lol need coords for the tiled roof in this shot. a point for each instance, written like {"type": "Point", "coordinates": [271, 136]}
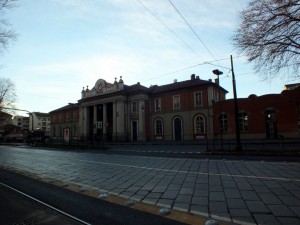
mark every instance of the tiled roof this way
{"type": "Point", "coordinates": [69, 106]}
{"type": "Point", "coordinates": [181, 85]}
{"type": "Point", "coordinates": [39, 114]}
{"type": "Point", "coordinates": [135, 87]}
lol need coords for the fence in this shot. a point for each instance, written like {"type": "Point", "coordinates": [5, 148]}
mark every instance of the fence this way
{"type": "Point", "coordinates": [266, 145]}
{"type": "Point", "coordinates": [278, 145]}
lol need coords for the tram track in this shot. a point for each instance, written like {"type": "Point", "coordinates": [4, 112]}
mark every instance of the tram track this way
{"type": "Point", "coordinates": [74, 208]}
{"type": "Point", "coordinates": [35, 220]}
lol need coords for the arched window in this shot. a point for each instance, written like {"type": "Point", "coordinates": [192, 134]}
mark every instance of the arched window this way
{"type": "Point", "coordinates": [199, 125]}
{"type": "Point", "coordinates": [158, 125]}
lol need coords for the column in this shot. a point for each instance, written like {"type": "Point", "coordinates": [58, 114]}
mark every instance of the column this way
{"type": "Point", "coordinates": [95, 120]}
{"type": "Point", "coordinates": [121, 121]}
{"type": "Point", "coordinates": [115, 131]}
{"type": "Point", "coordinates": [104, 119]}
{"type": "Point", "coordinates": [141, 130]}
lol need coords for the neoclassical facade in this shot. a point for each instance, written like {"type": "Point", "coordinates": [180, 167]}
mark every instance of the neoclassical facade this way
{"type": "Point", "coordinates": [113, 111]}
{"type": "Point", "coordinates": [180, 111]}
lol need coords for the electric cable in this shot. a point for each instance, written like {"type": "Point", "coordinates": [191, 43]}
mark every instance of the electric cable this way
{"type": "Point", "coordinates": [168, 28]}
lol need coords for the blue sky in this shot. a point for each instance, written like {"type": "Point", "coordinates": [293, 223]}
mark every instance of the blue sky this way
{"type": "Point", "coordinates": [66, 45]}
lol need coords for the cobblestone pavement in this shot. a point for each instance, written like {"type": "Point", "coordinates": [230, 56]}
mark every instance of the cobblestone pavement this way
{"type": "Point", "coordinates": [242, 192]}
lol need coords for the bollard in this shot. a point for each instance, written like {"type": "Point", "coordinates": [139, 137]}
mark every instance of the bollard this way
{"type": "Point", "coordinates": [164, 211]}
{"type": "Point", "coordinates": [211, 222]}
{"type": "Point", "coordinates": [103, 196]}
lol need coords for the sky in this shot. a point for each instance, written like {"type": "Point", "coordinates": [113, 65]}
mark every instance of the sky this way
{"type": "Point", "coordinates": [63, 46]}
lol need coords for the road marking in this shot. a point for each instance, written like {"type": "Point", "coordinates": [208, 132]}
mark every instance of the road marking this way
{"type": "Point", "coordinates": [191, 172]}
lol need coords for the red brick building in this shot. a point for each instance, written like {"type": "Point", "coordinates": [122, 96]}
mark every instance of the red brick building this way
{"type": "Point", "coordinates": [118, 112]}
{"type": "Point", "coordinates": [265, 117]}
{"type": "Point", "coordinates": [189, 110]}
{"type": "Point", "coordinates": [64, 123]}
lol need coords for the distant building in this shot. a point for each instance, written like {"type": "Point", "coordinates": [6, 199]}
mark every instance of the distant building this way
{"type": "Point", "coordinates": [5, 119]}
{"type": "Point", "coordinates": [291, 86]}
{"type": "Point", "coordinates": [65, 120]}
{"type": "Point", "coordinates": [41, 121]}
{"type": "Point", "coordinates": [265, 117]}
{"type": "Point", "coordinates": [22, 122]}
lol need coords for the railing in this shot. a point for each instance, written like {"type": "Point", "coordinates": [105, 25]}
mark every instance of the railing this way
{"type": "Point", "coordinates": [212, 145]}
{"type": "Point", "coordinates": [266, 145]}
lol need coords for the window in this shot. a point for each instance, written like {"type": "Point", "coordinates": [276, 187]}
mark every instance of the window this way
{"type": "Point", "coordinates": [199, 125]}
{"type": "Point", "coordinates": [74, 130]}
{"type": "Point", "coordinates": [198, 99]}
{"type": "Point", "coordinates": [54, 131]}
{"type": "Point", "coordinates": [224, 122]}
{"type": "Point", "coordinates": [216, 96]}
{"type": "Point", "coordinates": [243, 122]}
{"type": "Point", "coordinates": [158, 127]}
{"type": "Point", "coordinates": [176, 102]}
{"type": "Point", "coordinates": [134, 107]}
{"type": "Point", "coordinates": [157, 105]}
{"type": "Point", "coordinates": [271, 123]}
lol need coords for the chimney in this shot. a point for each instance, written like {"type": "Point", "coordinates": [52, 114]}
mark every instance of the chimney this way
{"type": "Point", "coordinates": [193, 77]}
{"type": "Point", "coordinates": [217, 81]}
{"type": "Point", "coordinates": [197, 78]}
{"type": "Point", "coordinates": [175, 80]}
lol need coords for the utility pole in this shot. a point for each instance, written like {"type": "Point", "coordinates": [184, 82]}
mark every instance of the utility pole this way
{"type": "Point", "coordinates": [236, 110]}
{"type": "Point", "coordinates": [218, 73]}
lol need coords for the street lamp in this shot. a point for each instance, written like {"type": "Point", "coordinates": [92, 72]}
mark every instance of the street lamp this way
{"type": "Point", "coordinates": [218, 73]}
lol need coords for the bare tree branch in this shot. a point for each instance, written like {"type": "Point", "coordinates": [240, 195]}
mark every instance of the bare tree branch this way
{"type": "Point", "coordinates": [7, 93]}
{"type": "Point", "coordinates": [269, 34]}
{"type": "Point", "coordinates": [6, 34]}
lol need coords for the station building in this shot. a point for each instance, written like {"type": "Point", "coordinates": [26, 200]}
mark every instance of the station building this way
{"type": "Point", "coordinates": [270, 116]}
{"type": "Point", "coordinates": [179, 111]}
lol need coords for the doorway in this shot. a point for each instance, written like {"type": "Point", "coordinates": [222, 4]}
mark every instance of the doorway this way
{"type": "Point", "coordinates": [134, 130]}
{"type": "Point", "coordinates": [177, 124]}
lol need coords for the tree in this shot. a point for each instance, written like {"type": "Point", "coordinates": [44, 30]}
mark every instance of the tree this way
{"type": "Point", "coordinates": [6, 34]}
{"type": "Point", "coordinates": [7, 93]}
{"type": "Point", "coordinates": [269, 35]}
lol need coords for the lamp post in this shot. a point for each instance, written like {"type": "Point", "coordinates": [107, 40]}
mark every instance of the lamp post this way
{"type": "Point", "coordinates": [218, 73]}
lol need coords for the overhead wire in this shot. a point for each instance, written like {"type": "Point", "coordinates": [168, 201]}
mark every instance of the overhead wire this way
{"type": "Point", "coordinates": [168, 28]}
{"type": "Point", "coordinates": [192, 29]}
{"type": "Point", "coordinates": [186, 68]}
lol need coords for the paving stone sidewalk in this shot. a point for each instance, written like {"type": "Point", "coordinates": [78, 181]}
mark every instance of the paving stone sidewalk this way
{"type": "Point", "coordinates": [241, 192]}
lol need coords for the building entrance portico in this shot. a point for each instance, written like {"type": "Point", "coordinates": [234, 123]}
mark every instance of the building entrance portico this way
{"type": "Point", "coordinates": [100, 122]}
{"type": "Point", "coordinates": [105, 113]}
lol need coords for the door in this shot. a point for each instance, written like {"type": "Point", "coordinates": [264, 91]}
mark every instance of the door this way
{"type": "Point", "coordinates": [134, 130]}
{"type": "Point", "coordinates": [271, 124]}
{"type": "Point", "coordinates": [177, 129]}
